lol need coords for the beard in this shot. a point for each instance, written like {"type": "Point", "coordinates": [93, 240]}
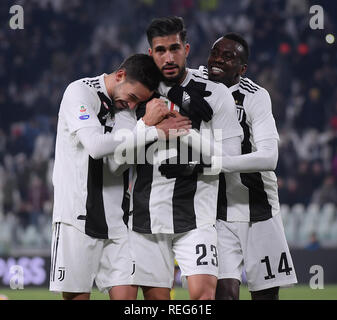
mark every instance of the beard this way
{"type": "Point", "coordinates": [177, 79]}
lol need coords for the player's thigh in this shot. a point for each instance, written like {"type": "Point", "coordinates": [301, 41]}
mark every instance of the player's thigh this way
{"type": "Point", "coordinates": [230, 253]}
{"type": "Point", "coordinates": [268, 262]}
{"type": "Point", "coordinates": [116, 266]}
{"type": "Point", "coordinates": [154, 259]}
{"type": "Point", "coordinates": [74, 259]}
{"type": "Point", "coordinates": [196, 251]}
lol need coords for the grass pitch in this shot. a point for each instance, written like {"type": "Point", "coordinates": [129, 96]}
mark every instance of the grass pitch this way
{"type": "Point", "coordinates": [298, 292]}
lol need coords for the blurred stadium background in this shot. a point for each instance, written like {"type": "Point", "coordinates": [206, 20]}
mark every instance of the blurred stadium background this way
{"type": "Point", "coordinates": [64, 40]}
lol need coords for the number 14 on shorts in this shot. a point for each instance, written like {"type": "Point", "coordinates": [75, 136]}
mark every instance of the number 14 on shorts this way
{"type": "Point", "coordinates": [282, 267]}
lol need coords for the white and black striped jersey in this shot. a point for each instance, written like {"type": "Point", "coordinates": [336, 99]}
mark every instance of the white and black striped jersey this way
{"type": "Point", "coordinates": [161, 205]}
{"type": "Point", "coordinates": [250, 196]}
{"type": "Point", "coordinates": [87, 194]}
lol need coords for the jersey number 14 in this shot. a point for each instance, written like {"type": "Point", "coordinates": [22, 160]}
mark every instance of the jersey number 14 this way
{"type": "Point", "coordinates": [282, 267]}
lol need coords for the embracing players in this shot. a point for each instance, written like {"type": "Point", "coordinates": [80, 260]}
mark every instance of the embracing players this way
{"type": "Point", "coordinates": [174, 209]}
{"type": "Point", "coordinates": [249, 224]}
{"type": "Point", "coordinates": [90, 238]}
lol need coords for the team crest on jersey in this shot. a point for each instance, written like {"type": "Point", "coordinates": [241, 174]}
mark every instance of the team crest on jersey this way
{"type": "Point", "coordinates": [240, 111]}
{"type": "Point", "coordinates": [62, 272]}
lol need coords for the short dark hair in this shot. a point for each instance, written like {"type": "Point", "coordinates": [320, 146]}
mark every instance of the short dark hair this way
{"type": "Point", "coordinates": [238, 38]}
{"type": "Point", "coordinates": [166, 26]}
{"type": "Point", "coordinates": [142, 68]}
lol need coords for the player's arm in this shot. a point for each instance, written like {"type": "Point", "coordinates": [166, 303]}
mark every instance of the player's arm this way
{"type": "Point", "coordinates": [265, 136]}
{"type": "Point", "coordinates": [100, 145]}
{"type": "Point", "coordinates": [263, 159]}
{"type": "Point", "coordinates": [132, 136]}
{"type": "Point", "coordinates": [79, 114]}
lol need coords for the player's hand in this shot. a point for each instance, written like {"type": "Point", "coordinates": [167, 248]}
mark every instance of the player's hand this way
{"type": "Point", "coordinates": [192, 105]}
{"type": "Point", "coordinates": [174, 125]}
{"type": "Point", "coordinates": [156, 111]}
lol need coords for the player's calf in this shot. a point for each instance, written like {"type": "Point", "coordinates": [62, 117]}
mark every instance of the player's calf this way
{"type": "Point", "coordinates": [266, 294]}
{"type": "Point", "coordinates": [227, 289]}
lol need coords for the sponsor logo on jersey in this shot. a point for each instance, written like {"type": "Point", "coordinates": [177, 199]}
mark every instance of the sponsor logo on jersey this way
{"type": "Point", "coordinates": [84, 117]}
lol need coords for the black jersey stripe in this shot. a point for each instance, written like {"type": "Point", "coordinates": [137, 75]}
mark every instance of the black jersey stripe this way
{"type": "Point", "coordinates": [222, 198]}
{"type": "Point", "coordinates": [259, 207]}
{"type": "Point", "coordinates": [95, 223]}
{"type": "Point", "coordinates": [126, 197]}
{"type": "Point", "coordinates": [249, 84]}
{"type": "Point", "coordinates": [141, 221]}
{"type": "Point", "coordinates": [246, 88]}
{"type": "Point", "coordinates": [55, 248]}
{"type": "Point", "coordinates": [184, 218]}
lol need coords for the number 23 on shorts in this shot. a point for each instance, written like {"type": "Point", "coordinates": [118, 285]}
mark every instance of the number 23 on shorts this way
{"type": "Point", "coordinates": [201, 252]}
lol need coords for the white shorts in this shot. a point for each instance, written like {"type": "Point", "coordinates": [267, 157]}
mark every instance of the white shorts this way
{"type": "Point", "coordinates": [195, 252]}
{"type": "Point", "coordinates": [78, 259]}
{"type": "Point", "coordinates": [260, 248]}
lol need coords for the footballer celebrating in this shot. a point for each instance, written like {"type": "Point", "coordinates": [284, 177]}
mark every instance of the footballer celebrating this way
{"type": "Point", "coordinates": [90, 239]}
{"type": "Point", "coordinates": [174, 207]}
{"type": "Point", "coordinates": [250, 229]}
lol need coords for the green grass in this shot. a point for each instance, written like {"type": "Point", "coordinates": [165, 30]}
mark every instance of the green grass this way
{"type": "Point", "coordinates": [299, 292]}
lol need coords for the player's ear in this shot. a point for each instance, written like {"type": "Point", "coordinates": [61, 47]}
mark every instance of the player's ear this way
{"type": "Point", "coordinates": [120, 75]}
{"type": "Point", "coordinates": [150, 51]}
{"type": "Point", "coordinates": [187, 49]}
{"type": "Point", "coordinates": [243, 69]}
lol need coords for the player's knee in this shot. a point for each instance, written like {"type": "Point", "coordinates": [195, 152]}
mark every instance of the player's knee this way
{"type": "Point", "coordinates": [123, 292]}
{"type": "Point", "coordinates": [227, 289]}
{"type": "Point", "coordinates": [152, 293]}
{"type": "Point", "coordinates": [203, 292]}
{"type": "Point", "coordinates": [266, 294]}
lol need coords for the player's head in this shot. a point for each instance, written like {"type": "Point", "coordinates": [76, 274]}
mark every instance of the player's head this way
{"type": "Point", "coordinates": [167, 39]}
{"type": "Point", "coordinates": [228, 59]}
{"type": "Point", "coordinates": [135, 81]}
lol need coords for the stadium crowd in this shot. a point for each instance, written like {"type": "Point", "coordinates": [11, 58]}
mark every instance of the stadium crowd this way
{"type": "Point", "coordinates": [65, 40]}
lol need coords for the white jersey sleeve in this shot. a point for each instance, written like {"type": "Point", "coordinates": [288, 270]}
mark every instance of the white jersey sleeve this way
{"type": "Point", "coordinates": [100, 145]}
{"type": "Point", "coordinates": [263, 159]}
{"type": "Point", "coordinates": [260, 114]}
{"type": "Point", "coordinates": [77, 107]}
